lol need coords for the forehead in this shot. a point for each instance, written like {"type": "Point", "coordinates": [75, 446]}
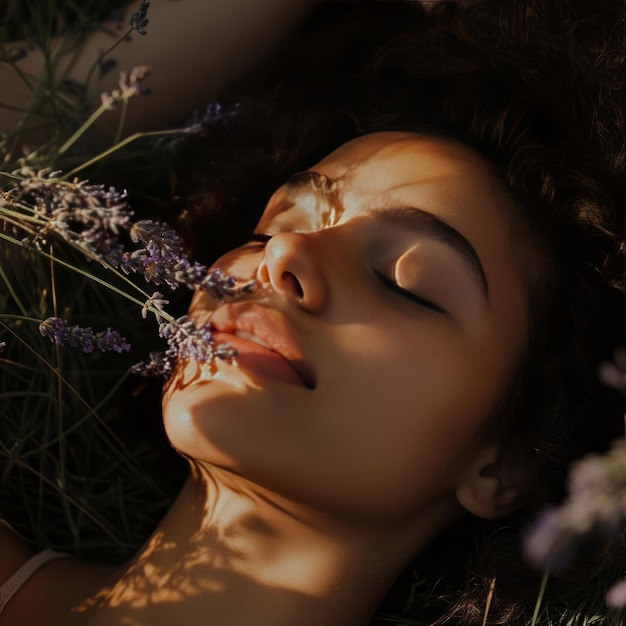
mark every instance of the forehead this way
{"type": "Point", "coordinates": [444, 177]}
{"type": "Point", "coordinates": [391, 161]}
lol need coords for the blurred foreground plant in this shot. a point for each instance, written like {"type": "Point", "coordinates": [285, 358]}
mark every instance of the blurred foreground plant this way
{"type": "Point", "coordinates": [596, 504]}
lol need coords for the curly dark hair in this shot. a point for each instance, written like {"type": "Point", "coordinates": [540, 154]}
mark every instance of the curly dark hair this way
{"type": "Point", "coordinates": [537, 87]}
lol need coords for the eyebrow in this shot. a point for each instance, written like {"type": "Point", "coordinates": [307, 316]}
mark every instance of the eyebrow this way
{"type": "Point", "coordinates": [426, 224]}
{"type": "Point", "coordinates": [408, 217]}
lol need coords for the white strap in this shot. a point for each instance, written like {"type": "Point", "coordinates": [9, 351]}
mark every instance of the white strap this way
{"type": "Point", "coordinates": [11, 586]}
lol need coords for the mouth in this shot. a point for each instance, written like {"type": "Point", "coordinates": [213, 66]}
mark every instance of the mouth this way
{"type": "Point", "coordinates": [264, 343]}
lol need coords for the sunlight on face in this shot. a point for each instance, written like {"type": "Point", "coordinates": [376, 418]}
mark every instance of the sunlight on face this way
{"type": "Point", "coordinates": [389, 315]}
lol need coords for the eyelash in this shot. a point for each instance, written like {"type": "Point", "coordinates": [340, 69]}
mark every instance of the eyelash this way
{"type": "Point", "coordinates": [388, 282]}
{"type": "Point", "coordinates": [259, 237]}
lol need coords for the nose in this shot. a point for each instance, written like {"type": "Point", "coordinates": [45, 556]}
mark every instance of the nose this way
{"type": "Point", "coordinates": [292, 266]}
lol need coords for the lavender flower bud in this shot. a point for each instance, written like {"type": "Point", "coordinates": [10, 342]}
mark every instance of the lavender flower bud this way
{"type": "Point", "coordinates": [157, 366]}
{"type": "Point", "coordinates": [156, 301]}
{"type": "Point", "coordinates": [613, 374]}
{"type": "Point", "coordinates": [60, 332]}
{"type": "Point", "coordinates": [616, 595]}
{"type": "Point", "coordinates": [220, 285]}
{"type": "Point", "coordinates": [138, 20]}
{"type": "Point", "coordinates": [186, 341]}
{"type": "Point", "coordinates": [550, 544]}
{"type": "Point", "coordinates": [596, 505]}
{"type": "Point", "coordinates": [111, 340]}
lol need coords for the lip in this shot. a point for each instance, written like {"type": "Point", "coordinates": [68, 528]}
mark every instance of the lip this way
{"type": "Point", "coordinates": [280, 356]}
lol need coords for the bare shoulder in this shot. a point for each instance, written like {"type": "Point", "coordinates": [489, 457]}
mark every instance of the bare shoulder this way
{"type": "Point", "coordinates": [14, 551]}
{"type": "Point", "coordinates": [53, 591]}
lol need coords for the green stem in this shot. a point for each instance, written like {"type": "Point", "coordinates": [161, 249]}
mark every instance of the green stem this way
{"type": "Point", "coordinates": [68, 498]}
{"type": "Point", "coordinates": [81, 131]}
{"type": "Point", "coordinates": [12, 292]}
{"type": "Point", "coordinates": [121, 144]}
{"type": "Point", "coordinates": [21, 318]}
{"type": "Point", "coordinates": [120, 126]}
{"type": "Point", "coordinates": [67, 383]}
{"type": "Point", "coordinates": [93, 277]}
{"type": "Point", "coordinates": [542, 590]}
{"type": "Point", "coordinates": [10, 107]}
{"type": "Point", "coordinates": [18, 70]}
{"type": "Point", "coordinates": [10, 218]}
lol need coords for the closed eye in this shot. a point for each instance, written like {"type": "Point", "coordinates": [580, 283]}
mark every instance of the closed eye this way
{"type": "Point", "coordinates": [259, 237]}
{"type": "Point", "coordinates": [388, 282]}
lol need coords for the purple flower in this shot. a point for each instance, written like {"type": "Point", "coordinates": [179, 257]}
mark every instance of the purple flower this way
{"type": "Point", "coordinates": [128, 86]}
{"type": "Point", "coordinates": [616, 595]}
{"type": "Point", "coordinates": [613, 374]}
{"type": "Point", "coordinates": [550, 544]}
{"type": "Point", "coordinates": [215, 115]}
{"type": "Point", "coordinates": [162, 260]}
{"type": "Point", "coordinates": [138, 20]}
{"type": "Point", "coordinates": [159, 235]}
{"type": "Point", "coordinates": [155, 301]}
{"type": "Point", "coordinates": [111, 340]}
{"type": "Point", "coordinates": [60, 332]}
{"type": "Point", "coordinates": [187, 341]}
{"type": "Point", "coordinates": [97, 221]}
{"type": "Point", "coordinates": [596, 505]}
{"type": "Point", "coordinates": [220, 286]}
{"type": "Point", "coordinates": [76, 211]}
{"type": "Point", "coordinates": [92, 217]}
{"type": "Point", "coordinates": [157, 366]}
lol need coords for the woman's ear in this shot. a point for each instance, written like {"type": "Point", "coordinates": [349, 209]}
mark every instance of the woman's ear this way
{"type": "Point", "coordinates": [494, 484]}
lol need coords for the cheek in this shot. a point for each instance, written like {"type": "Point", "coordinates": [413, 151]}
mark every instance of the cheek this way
{"type": "Point", "coordinates": [399, 426]}
{"type": "Point", "coordinates": [191, 415]}
{"type": "Point", "coordinates": [427, 371]}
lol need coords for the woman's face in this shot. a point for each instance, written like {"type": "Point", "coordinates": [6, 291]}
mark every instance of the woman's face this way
{"type": "Point", "coordinates": [389, 310]}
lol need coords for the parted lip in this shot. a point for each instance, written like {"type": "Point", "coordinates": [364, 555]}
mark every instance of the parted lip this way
{"type": "Point", "coordinates": [269, 326]}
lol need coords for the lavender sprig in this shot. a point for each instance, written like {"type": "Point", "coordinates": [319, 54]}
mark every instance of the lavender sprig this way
{"type": "Point", "coordinates": [595, 506]}
{"type": "Point", "coordinates": [616, 595]}
{"type": "Point", "coordinates": [92, 217]}
{"type": "Point", "coordinates": [185, 340]}
{"type": "Point", "coordinates": [60, 332]}
{"type": "Point", "coordinates": [129, 86]}
{"type": "Point", "coordinates": [138, 20]}
{"type": "Point", "coordinates": [162, 260]}
{"type": "Point", "coordinates": [98, 222]}
{"type": "Point", "coordinates": [596, 503]}
{"type": "Point", "coordinates": [613, 374]}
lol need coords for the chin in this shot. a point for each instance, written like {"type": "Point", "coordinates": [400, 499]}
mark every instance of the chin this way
{"type": "Point", "coordinates": [201, 405]}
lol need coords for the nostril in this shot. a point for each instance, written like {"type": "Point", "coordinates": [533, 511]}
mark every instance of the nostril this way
{"type": "Point", "coordinates": [292, 283]}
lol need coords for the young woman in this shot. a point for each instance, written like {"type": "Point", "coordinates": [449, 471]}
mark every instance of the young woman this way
{"type": "Point", "coordinates": [418, 360]}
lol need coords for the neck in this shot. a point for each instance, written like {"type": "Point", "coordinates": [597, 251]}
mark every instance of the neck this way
{"type": "Point", "coordinates": [231, 552]}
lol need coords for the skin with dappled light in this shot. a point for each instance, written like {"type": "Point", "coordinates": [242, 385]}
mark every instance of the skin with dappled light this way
{"type": "Point", "coordinates": [389, 313]}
